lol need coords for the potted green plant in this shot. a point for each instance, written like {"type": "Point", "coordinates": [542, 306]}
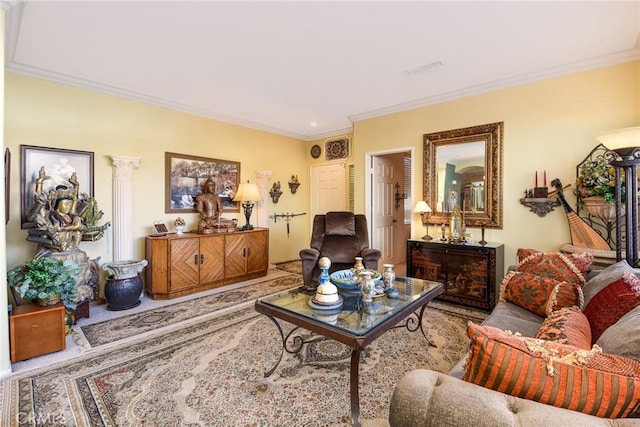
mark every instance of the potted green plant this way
{"type": "Point", "coordinates": [46, 280]}
{"type": "Point", "coordinates": [596, 187]}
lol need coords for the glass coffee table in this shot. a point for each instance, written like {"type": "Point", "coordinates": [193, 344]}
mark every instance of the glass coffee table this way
{"type": "Point", "coordinates": [354, 324]}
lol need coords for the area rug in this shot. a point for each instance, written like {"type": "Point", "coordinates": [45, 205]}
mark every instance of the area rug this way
{"type": "Point", "coordinates": [135, 324]}
{"type": "Point", "coordinates": [294, 266]}
{"type": "Point", "coordinates": [210, 372]}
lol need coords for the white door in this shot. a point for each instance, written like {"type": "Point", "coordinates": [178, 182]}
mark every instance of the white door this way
{"type": "Point", "coordinates": [382, 198]}
{"type": "Point", "coordinates": [328, 188]}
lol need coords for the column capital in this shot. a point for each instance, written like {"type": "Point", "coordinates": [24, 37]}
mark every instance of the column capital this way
{"type": "Point", "coordinates": [124, 166]}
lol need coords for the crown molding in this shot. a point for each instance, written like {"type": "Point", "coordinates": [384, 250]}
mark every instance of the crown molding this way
{"type": "Point", "coordinates": [576, 67]}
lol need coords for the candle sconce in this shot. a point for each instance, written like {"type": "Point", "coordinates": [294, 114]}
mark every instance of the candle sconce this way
{"type": "Point", "coordinates": [294, 184]}
{"type": "Point", "coordinates": [275, 192]}
{"type": "Point", "coordinates": [399, 196]}
{"type": "Point", "coordinates": [538, 202]}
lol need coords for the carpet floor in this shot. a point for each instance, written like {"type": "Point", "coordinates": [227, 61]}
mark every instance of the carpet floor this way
{"type": "Point", "coordinates": [208, 370]}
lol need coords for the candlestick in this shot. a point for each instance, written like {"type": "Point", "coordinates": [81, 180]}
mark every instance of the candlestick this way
{"type": "Point", "coordinates": [536, 178]}
{"type": "Point", "coordinates": [545, 178]}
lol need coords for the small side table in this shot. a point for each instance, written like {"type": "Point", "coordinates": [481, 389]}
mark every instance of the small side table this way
{"type": "Point", "coordinates": [36, 330]}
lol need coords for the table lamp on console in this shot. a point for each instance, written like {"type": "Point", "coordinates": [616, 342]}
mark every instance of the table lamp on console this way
{"type": "Point", "coordinates": [248, 194]}
{"type": "Point", "coordinates": [424, 210]}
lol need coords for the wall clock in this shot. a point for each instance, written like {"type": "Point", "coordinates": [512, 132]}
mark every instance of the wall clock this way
{"type": "Point", "coordinates": [316, 151]}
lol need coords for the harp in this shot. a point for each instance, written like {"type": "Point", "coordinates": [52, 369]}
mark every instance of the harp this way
{"type": "Point", "coordinates": [582, 235]}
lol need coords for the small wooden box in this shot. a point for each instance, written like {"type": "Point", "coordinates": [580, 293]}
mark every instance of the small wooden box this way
{"type": "Point", "coordinates": [541, 192]}
{"type": "Point", "coordinates": [36, 330]}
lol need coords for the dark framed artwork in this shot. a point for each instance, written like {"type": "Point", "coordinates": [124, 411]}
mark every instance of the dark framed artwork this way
{"type": "Point", "coordinates": [59, 164]}
{"type": "Point", "coordinates": [336, 148]}
{"type": "Point", "coordinates": [185, 175]}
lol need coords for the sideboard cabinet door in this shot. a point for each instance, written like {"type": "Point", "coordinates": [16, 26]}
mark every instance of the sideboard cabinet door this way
{"type": "Point", "coordinates": [471, 273]}
{"type": "Point", "coordinates": [245, 253]}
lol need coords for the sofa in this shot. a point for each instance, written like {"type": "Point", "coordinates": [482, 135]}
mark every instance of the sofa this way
{"type": "Point", "coordinates": [464, 397]}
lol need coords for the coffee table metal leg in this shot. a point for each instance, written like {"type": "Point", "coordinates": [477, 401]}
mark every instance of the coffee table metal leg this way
{"type": "Point", "coordinates": [272, 370]}
{"type": "Point", "coordinates": [424, 334]}
{"type": "Point", "coordinates": [355, 386]}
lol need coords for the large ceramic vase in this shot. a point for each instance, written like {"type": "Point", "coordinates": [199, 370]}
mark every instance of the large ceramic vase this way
{"type": "Point", "coordinates": [123, 287]}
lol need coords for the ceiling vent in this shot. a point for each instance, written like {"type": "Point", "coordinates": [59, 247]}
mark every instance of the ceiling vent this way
{"type": "Point", "coordinates": [427, 68]}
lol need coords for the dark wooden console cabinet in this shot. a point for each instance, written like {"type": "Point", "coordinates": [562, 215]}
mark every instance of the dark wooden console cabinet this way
{"type": "Point", "coordinates": [182, 264]}
{"type": "Point", "coordinates": [471, 273]}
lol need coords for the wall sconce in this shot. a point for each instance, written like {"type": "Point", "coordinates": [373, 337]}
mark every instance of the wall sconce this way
{"type": "Point", "coordinates": [248, 194]}
{"type": "Point", "coordinates": [294, 184]}
{"type": "Point", "coordinates": [275, 192]}
{"type": "Point", "coordinates": [424, 210]}
{"type": "Point", "coordinates": [399, 196]}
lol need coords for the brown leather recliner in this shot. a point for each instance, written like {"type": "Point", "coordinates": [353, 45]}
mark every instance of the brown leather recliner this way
{"type": "Point", "coordinates": [339, 236]}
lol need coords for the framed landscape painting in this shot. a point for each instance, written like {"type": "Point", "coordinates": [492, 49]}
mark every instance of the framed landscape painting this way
{"type": "Point", "coordinates": [59, 164]}
{"type": "Point", "coordinates": [185, 175]}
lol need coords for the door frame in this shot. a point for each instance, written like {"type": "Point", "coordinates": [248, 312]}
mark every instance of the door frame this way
{"type": "Point", "coordinates": [368, 199]}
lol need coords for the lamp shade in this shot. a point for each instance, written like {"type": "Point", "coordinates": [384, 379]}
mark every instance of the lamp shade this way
{"type": "Point", "coordinates": [247, 193]}
{"type": "Point", "coordinates": [422, 207]}
{"type": "Point", "coordinates": [620, 137]}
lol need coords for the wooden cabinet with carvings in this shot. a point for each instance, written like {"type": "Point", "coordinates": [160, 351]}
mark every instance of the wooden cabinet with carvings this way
{"type": "Point", "coordinates": [188, 263]}
{"type": "Point", "coordinates": [471, 273]}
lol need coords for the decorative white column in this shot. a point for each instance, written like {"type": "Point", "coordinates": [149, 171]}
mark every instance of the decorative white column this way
{"type": "Point", "coordinates": [262, 180]}
{"type": "Point", "coordinates": [123, 167]}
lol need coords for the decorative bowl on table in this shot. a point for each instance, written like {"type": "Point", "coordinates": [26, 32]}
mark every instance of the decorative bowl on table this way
{"type": "Point", "coordinates": [349, 281]}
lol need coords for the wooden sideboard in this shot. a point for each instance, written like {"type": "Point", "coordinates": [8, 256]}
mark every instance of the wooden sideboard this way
{"type": "Point", "coordinates": [471, 273]}
{"type": "Point", "coordinates": [36, 330]}
{"type": "Point", "coordinates": [182, 264]}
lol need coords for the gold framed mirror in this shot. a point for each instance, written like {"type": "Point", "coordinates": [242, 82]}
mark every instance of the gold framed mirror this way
{"type": "Point", "coordinates": [463, 167]}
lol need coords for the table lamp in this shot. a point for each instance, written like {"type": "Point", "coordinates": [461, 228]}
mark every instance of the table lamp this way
{"type": "Point", "coordinates": [248, 194]}
{"type": "Point", "coordinates": [424, 210]}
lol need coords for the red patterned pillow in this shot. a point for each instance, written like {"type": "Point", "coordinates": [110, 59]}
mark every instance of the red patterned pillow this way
{"type": "Point", "coordinates": [562, 267]}
{"type": "Point", "coordinates": [566, 326]}
{"type": "Point", "coordinates": [611, 303]}
{"type": "Point", "coordinates": [564, 376]}
{"type": "Point", "coordinates": [539, 294]}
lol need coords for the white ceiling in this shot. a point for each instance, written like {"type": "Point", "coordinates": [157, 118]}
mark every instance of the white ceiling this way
{"type": "Point", "coordinates": [281, 66]}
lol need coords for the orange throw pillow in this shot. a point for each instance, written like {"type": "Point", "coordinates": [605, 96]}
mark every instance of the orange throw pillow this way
{"type": "Point", "coordinates": [538, 294]}
{"type": "Point", "coordinates": [564, 376]}
{"type": "Point", "coordinates": [566, 326]}
{"type": "Point", "coordinates": [561, 267]}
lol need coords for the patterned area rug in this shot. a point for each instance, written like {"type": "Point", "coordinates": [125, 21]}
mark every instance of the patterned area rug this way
{"type": "Point", "coordinates": [210, 372]}
{"type": "Point", "coordinates": [294, 266]}
{"type": "Point", "coordinates": [135, 324]}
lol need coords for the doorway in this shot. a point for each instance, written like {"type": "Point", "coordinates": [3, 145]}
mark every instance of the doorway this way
{"type": "Point", "coordinates": [389, 201]}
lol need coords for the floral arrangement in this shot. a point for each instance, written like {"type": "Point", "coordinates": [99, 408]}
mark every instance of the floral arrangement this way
{"type": "Point", "coordinates": [46, 278]}
{"type": "Point", "coordinates": [596, 177]}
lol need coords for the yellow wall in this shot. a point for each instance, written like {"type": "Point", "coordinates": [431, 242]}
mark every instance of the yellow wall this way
{"type": "Point", "coordinates": [48, 114]}
{"type": "Point", "coordinates": [548, 125]}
